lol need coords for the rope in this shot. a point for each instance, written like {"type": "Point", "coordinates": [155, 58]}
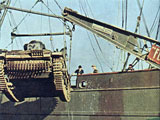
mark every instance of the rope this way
{"type": "Point", "coordinates": [126, 14]}
{"type": "Point", "coordinates": [145, 24]}
{"type": "Point", "coordinates": [23, 16]}
{"type": "Point", "coordinates": [90, 8]}
{"type": "Point", "coordinates": [139, 17]}
{"type": "Point", "coordinates": [15, 28]}
{"type": "Point", "coordinates": [58, 5]}
{"type": "Point", "coordinates": [158, 28]}
{"type": "Point", "coordinates": [82, 8]}
{"type": "Point", "coordinates": [14, 3]}
{"type": "Point", "coordinates": [122, 13]}
{"type": "Point", "coordinates": [119, 59]}
{"type": "Point", "coordinates": [64, 38]}
{"type": "Point", "coordinates": [154, 22]}
{"type": "Point", "coordinates": [70, 51]}
{"type": "Point", "coordinates": [51, 38]}
{"type": "Point", "coordinates": [102, 52]}
{"type": "Point", "coordinates": [26, 15]}
{"type": "Point", "coordinates": [95, 37]}
{"type": "Point", "coordinates": [95, 52]}
{"type": "Point", "coordinates": [41, 21]}
{"type": "Point", "coordinates": [67, 26]}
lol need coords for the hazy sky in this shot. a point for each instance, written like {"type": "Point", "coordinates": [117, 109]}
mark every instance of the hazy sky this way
{"type": "Point", "coordinates": [109, 11]}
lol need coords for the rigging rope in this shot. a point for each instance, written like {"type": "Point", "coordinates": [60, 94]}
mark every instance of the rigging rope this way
{"type": "Point", "coordinates": [26, 14]}
{"type": "Point", "coordinates": [94, 51]}
{"type": "Point", "coordinates": [137, 27]}
{"type": "Point", "coordinates": [14, 3]}
{"type": "Point", "coordinates": [58, 5]}
{"type": "Point", "coordinates": [158, 28]}
{"type": "Point", "coordinates": [145, 24]}
{"type": "Point", "coordinates": [14, 24]}
{"type": "Point", "coordinates": [70, 50]}
{"type": "Point", "coordinates": [102, 52]}
{"type": "Point", "coordinates": [95, 37]}
{"type": "Point", "coordinates": [41, 21]}
{"type": "Point", "coordinates": [139, 17]}
{"type": "Point", "coordinates": [154, 22]}
{"type": "Point", "coordinates": [126, 14]}
{"type": "Point", "coordinates": [23, 16]}
{"type": "Point", "coordinates": [90, 8]}
{"type": "Point", "coordinates": [122, 13]}
{"type": "Point", "coordinates": [85, 12]}
{"type": "Point", "coordinates": [67, 26]}
{"type": "Point", "coordinates": [51, 37]}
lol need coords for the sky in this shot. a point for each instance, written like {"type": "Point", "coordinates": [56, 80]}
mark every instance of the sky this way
{"type": "Point", "coordinates": [108, 11]}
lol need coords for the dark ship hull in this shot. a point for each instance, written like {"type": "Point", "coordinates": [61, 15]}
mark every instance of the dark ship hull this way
{"type": "Point", "coordinates": [107, 96]}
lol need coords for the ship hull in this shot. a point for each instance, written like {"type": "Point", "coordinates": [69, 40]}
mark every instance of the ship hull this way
{"type": "Point", "coordinates": [108, 96]}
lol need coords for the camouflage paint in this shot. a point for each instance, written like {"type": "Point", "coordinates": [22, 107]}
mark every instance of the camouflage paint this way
{"type": "Point", "coordinates": [107, 96]}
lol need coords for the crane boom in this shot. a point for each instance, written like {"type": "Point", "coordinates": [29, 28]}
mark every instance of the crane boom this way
{"type": "Point", "coordinates": [121, 38]}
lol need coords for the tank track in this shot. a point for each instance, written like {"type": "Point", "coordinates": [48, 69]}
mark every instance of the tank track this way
{"type": "Point", "coordinates": [11, 70]}
{"type": "Point", "coordinates": [5, 86]}
{"type": "Point", "coordinates": [61, 79]}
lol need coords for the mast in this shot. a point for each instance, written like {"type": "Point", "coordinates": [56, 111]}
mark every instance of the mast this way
{"type": "Point", "coordinates": [5, 11]}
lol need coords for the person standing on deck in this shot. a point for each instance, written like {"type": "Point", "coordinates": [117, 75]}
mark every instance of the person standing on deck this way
{"type": "Point", "coordinates": [130, 67]}
{"type": "Point", "coordinates": [79, 71]}
{"type": "Point", "coordinates": [94, 69]}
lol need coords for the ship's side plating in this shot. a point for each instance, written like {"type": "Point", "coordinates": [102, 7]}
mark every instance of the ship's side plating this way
{"type": "Point", "coordinates": [106, 96]}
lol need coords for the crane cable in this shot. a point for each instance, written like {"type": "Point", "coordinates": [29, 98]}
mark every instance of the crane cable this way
{"type": "Point", "coordinates": [51, 37]}
{"type": "Point", "coordinates": [66, 26]}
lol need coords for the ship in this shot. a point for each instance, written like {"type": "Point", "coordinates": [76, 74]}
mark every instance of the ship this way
{"type": "Point", "coordinates": [36, 83]}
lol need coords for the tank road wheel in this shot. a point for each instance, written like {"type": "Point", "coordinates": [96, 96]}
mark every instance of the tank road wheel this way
{"type": "Point", "coordinates": [6, 86]}
{"type": "Point", "coordinates": [61, 79]}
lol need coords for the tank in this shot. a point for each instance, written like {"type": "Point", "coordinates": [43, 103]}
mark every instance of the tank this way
{"type": "Point", "coordinates": [34, 72]}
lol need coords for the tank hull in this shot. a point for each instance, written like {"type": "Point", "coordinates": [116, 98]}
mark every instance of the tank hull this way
{"type": "Point", "coordinates": [34, 73]}
{"type": "Point", "coordinates": [109, 96]}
